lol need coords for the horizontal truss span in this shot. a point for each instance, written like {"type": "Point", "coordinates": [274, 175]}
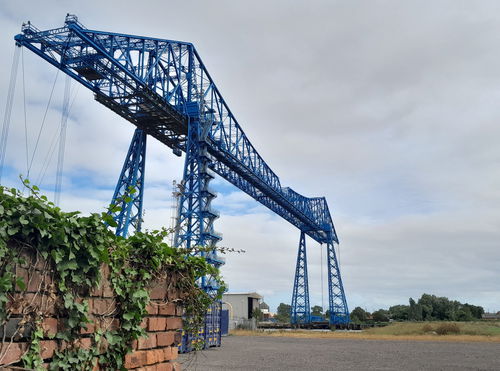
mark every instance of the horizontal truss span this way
{"type": "Point", "coordinates": [158, 85]}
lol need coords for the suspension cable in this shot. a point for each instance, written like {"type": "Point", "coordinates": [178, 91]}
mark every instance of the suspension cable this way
{"type": "Point", "coordinates": [338, 254]}
{"type": "Point", "coordinates": [53, 144]}
{"type": "Point", "coordinates": [321, 270]}
{"type": "Point", "coordinates": [25, 116]}
{"type": "Point", "coordinates": [8, 108]}
{"type": "Point", "coordinates": [43, 120]}
{"type": "Point", "coordinates": [48, 158]}
{"type": "Point", "coordinates": [62, 140]}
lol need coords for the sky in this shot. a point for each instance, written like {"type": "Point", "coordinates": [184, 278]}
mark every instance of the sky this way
{"type": "Point", "coordinates": [387, 108]}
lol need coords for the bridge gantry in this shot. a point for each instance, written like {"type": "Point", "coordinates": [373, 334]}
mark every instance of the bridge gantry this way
{"type": "Point", "coordinates": [164, 89]}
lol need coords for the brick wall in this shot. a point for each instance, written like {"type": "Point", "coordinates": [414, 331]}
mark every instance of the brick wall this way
{"type": "Point", "coordinates": [157, 351]}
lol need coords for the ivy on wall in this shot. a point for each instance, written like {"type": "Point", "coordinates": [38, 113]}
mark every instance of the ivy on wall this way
{"type": "Point", "coordinates": [77, 246]}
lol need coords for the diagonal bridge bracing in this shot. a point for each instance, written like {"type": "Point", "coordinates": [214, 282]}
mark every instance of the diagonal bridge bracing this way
{"type": "Point", "coordinates": [164, 89]}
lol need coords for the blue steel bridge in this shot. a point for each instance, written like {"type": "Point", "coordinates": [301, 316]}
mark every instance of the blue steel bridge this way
{"type": "Point", "coordinates": [164, 89]}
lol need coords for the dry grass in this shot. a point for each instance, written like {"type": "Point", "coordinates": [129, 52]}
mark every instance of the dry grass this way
{"type": "Point", "coordinates": [460, 332]}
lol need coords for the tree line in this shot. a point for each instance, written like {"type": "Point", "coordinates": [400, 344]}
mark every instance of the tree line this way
{"type": "Point", "coordinates": [427, 308]}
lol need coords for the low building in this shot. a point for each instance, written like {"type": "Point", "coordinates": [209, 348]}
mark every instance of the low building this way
{"type": "Point", "coordinates": [491, 316]}
{"type": "Point", "coordinates": [241, 307]}
{"type": "Point", "coordinates": [264, 308]}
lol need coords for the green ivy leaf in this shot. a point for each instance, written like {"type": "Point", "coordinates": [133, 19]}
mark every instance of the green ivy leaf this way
{"type": "Point", "coordinates": [20, 283]}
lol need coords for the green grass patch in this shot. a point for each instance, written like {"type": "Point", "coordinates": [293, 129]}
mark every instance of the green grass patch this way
{"type": "Point", "coordinates": [438, 328]}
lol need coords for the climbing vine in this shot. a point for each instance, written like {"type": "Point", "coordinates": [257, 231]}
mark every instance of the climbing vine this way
{"type": "Point", "coordinates": [76, 247]}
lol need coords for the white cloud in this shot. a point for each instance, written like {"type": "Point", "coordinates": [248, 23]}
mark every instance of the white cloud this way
{"type": "Point", "coordinates": [388, 109]}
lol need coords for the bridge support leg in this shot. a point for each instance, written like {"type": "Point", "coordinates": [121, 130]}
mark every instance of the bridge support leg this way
{"type": "Point", "coordinates": [339, 313]}
{"type": "Point", "coordinates": [195, 223]}
{"type": "Point", "coordinates": [301, 310]}
{"type": "Point", "coordinates": [130, 187]}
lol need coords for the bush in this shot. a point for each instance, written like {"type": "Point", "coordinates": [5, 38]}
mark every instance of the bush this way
{"type": "Point", "coordinates": [427, 328]}
{"type": "Point", "coordinates": [448, 328]}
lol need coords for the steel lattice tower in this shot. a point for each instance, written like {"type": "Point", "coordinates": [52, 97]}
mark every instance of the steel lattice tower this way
{"type": "Point", "coordinates": [129, 190]}
{"type": "Point", "coordinates": [301, 309]}
{"type": "Point", "coordinates": [337, 301]}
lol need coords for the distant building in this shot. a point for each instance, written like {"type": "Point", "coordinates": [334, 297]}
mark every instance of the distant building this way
{"type": "Point", "coordinates": [264, 308]}
{"type": "Point", "coordinates": [241, 307]}
{"type": "Point", "coordinates": [491, 316]}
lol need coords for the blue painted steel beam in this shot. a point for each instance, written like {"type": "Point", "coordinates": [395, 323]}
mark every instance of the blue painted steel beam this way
{"type": "Point", "coordinates": [129, 191]}
{"type": "Point", "coordinates": [300, 308]}
{"type": "Point", "coordinates": [339, 312]}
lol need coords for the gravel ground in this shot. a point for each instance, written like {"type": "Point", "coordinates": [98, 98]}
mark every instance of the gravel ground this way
{"type": "Point", "coordinates": [281, 353]}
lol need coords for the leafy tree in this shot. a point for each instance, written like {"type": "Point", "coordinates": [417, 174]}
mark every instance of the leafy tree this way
{"type": "Point", "coordinates": [426, 302]}
{"type": "Point", "coordinates": [317, 310]}
{"type": "Point", "coordinates": [432, 307]}
{"type": "Point", "coordinates": [464, 314]}
{"type": "Point", "coordinates": [257, 314]}
{"type": "Point", "coordinates": [415, 311]}
{"type": "Point", "coordinates": [283, 312]}
{"type": "Point", "coordinates": [476, 311]}
{"type": "Point", "coordinates": [359, 315]}
{"type": "Point", "coordinates": [381, 315]}
{"type": "Point", "coordinates": [399, 312]}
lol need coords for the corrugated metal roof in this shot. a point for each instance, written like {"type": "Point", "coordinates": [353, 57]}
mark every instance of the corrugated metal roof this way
{"type": "Point", "coordinates": [248, 294]}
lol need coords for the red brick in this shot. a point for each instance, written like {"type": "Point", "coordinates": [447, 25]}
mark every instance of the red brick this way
{"type": "Point", "coordinates": [90, 304]}
{"type": "Point", "coordinates": [107, 291]}
{"type": "Point", "coordinates": [165, 338]}
{"type": "Point", "coordinates": [96, 366]}
{"type": "Point", "coordinates": [157, 324]}
{"type": "Point", "coordinates": [15, 304]}
{"type": "Point", "coordinates": [152, 308]}
{"type": "Point", "coordinates": [89, 330]}
{"type": "Point", "coordinates": [168, 353]}
{"type": "Point", "coordinates": [103, 306]}
{"type": "Point", "coordinates": [134, 345]}
{"type": "Point", "coordinates": [175, 352]}
{"type": "Point", "coordinates": [40, 263]}
{"type": "Point", "coordinates": [151, 357]}
{"type": "Point", "coordinates": [14, 352]}
{"type": "Point", "coordinates": [147, 342]}
{"type": "Point", "coordinates": [158, 292]}
{"type": "Point", "coordinates": [176, 366]}
{"type": "Point", "coordinates": [164, 367]}
{"type": "Point", "coordinates": [48, 283]}
{"type": "Point", "coordinates": [35, 281]}
{"type": "Point", "coordinates": [108, 323]}
{"type": "Point", "coordinates": [160, 355]}
{"type": "Point", "coordinates": [104, 272]}
{"type": "Point", "coordinates": [115, 324]}
{"type": "Point", "coordinates": [21, 273]}
{"type": "Point", "coordinates": [96, 290]}
{"type": "Point", "coordinates": [49, 326]}
{"type": "Point", "coordinates": [39, 302]}
{"type": "Point", "coordinates": [85, 343]}
{"type": "Point", "coordinates": [168, 309]}
{"type": "Point", "coordinates": [48, 347]}
{"type": "Point", "coordinates": [103, 347]}
{"type": "Point", "coordinates": [135, 359]}
{"type": "Point", "coordinates": [174, 323]}
{"type": "Point", "coordinates": [173, 294]}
